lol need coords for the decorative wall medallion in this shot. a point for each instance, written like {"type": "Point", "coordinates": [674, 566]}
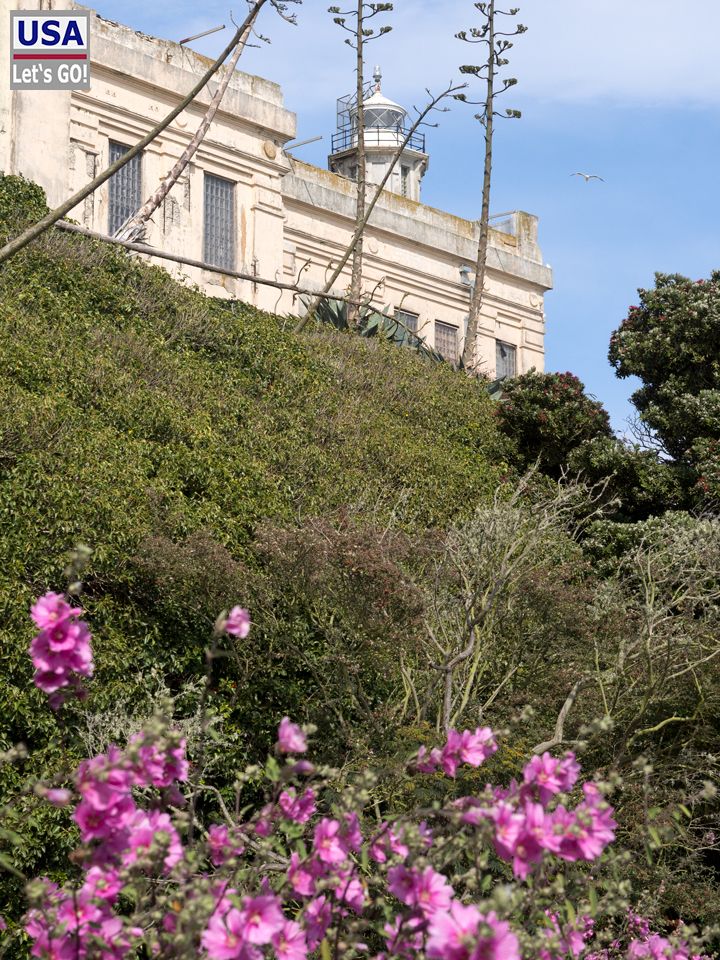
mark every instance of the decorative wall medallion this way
{"type": "Point", "coordinates": [269, 149]}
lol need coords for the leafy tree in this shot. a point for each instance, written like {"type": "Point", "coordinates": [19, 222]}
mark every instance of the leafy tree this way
{"type": "Point", "coordinates": [671, 341]}
{"type": "Point", "coordinates": [639, 481]}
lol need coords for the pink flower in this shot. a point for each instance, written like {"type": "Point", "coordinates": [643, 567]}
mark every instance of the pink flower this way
{"type": "Point", "coordinates": [156, 766]}
{"type": "Point", "coordinates": [426, 834]}
{"type": "Point", "coordinates": [550, 775]}
{"type": "Point", "coordinates": [105, 779]}
{"type": "Point", "coordinates": [466, 747]}
{"type": "Point", "coordinates": [3, 925]}
{"type": "Point", "coordinates": [262, 918]}
{"type": "Point", "coordinates": [476, 747]}
{"type": "Point", "coordinates": [388, 842]}
{"type": "Point", "coordinates": [51, 609]}
{"type": "Point", "coordinates": [451, 932]}
{"type": "Point", "coordinates": [426, 889]}
{"type": "Point", "coordinates": [99, 824]}
{"type": "Point", "coordinates": [594, 827]}
{"type": "Point", "coordinates": [350, 890]}
{"type": "Point", "coordinates": [297, 809]}
{"type": "Point", "coordinates": [151, 834]}
{"type": "Point", "coordinates": [327, 845]}
{"type": "Point", "coordinates": [224, 937]}
{"type": "Point", "coordinates": [508, 825]}
{"type": "Point", "coordinates": [301, 876]}
{"type": "Point", "coordinates": [350, 833]}
{"type": "Point", "coordinates": [60, 652]}
{"type": "Point", "coordinates": [428, 762]}
{"type": "Point", "coordinates": [539, 825]}
{"type": "Point", "coordinates": [316, 918]}
{"type": "Point", "coordinates": [221, 845]}
{"type": "Point", "coordinates": [102, 884]}
{"type": "Point", "coordinates": [238, 623]}
{"type": "Point", "coordinates": [496, 940]}
{"type": "Point", "coordinates": [450, 755]}
{"type": "Point", "coordinates": [656, 948]}
{"type": "Point", "coordinates": [403, 938]}
{"type": "Point", "coordinates": [291, 739]}
{"type": "Point", "coordinates": [290, 942]}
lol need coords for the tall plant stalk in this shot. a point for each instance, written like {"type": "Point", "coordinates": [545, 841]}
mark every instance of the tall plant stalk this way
{"type": "Point", "coordinates": [360, 35]}
{"type": "Point", "coordinates": [497, 45]}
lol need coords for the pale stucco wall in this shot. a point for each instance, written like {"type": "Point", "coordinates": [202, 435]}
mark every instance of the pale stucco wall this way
{"type": "Point", "coordinates": [415, 253]}
{"type": "Point", "coordinates": [288, 213]}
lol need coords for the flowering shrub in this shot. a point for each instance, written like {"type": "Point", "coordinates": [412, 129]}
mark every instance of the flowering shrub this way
{"type": "Point", "coordinates": [319, 866]}
{"type": "Point", "coordinates": [549, 415]}
{"type": "Point", "coordinates": [670, 341]}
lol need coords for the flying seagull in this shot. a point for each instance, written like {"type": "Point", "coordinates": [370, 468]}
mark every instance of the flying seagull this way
{"type": "Point", "coordinates": [587, 176]}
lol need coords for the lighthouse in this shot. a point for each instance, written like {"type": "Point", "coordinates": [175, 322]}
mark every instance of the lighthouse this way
{"type": "Point", "coordinates": [386, 127]}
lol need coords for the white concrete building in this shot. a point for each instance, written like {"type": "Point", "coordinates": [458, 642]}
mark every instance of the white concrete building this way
{"type": "Point", "coordinates": [245, 204]}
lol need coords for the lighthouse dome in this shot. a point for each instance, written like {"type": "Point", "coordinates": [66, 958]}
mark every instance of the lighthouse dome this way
{"type": "Point", "coordinates": [381, 112]}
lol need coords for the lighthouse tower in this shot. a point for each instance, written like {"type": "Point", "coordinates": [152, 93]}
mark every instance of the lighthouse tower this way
{"type": "Point", "coordinates": [385, 129]}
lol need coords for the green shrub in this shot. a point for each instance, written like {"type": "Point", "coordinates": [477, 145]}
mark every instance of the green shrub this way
{"type": "Point", "coordinates": [549, 415]}
{"type": "Point", "coordinates": [164, 429]}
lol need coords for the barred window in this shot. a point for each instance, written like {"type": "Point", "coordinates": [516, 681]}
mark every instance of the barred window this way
{"type": "Point", "coordinates": [446, 340]}
{"type": "Point", "coordinates": [404, 180]}
{"type": "Point", "coordinates": [410, 320]}
{"type": "Point", "coordinates": [505, 359]}
{"type": "Point", "coordinates": [124, 188]}
{"type": "Point", "coordinates": [219, 235]}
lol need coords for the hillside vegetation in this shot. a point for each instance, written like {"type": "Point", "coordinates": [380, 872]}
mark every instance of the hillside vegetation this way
{"type": "Point", "coordinates": [162, 428]}
{"type": "Point", "coordinates": [367, 506]}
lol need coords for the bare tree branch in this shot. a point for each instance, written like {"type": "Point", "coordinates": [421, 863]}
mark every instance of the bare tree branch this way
{"type": "Point", "coordinates": [134, 227]}
{"type": "Point", "coordinates": [37, 229]}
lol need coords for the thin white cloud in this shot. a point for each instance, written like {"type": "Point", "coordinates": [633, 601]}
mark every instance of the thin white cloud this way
{"type": "Point", "coordinates": [635, 52]}
{"type": "Point", "coordinates": [644, 52]}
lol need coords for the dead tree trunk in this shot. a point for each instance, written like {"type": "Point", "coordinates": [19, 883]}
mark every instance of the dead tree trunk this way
{"type": "Point", "coordinates": [451, 91]}
{"type": "Point", "coordinates": [470, 347]}
{"type": "Point", "coordinates": [497, 46]}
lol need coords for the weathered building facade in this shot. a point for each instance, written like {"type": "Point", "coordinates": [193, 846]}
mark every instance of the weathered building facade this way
{"type": "Point", "coordinates": [245, 204]}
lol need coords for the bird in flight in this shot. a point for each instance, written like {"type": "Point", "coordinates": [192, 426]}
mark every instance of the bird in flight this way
{"type": "Point", "coordinates": [587, 176]}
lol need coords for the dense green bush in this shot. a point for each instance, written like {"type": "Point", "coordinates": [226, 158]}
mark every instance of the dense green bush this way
{"type": "Point", "coordinates": [163, 429]}
{"type": "Point", "coordinates": [639, 481]}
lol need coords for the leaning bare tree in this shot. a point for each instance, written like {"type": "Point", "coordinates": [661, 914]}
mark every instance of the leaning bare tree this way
{"type": "Point", "coordinates": [360, 35]}
{"type": "Point", "coordinates": [453, 91]}
{"type": "Point", "coordinates": [135, 226]}
{"type": "Point", "coordinates": [36, 230]}
{"type": "Point", "coordinates": [497, 44]}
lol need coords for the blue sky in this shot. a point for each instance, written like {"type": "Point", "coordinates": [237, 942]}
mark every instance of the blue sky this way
{"type": "Point", "coordinates": [627, 89]}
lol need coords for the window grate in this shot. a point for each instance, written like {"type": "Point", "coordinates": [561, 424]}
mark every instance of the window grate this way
{"type": "Point", "coordinates": [410, 320]}
{"type": "Point", "coordinates": [446, 340]}
{"type": "Point", "coordinates": [404, 180]}
{"type": "Point", "coordinates": [219, 235]}
{"type": "Point", "coordinates": [505, 359]}
{"type": "Point", "coordinates": [124, 188]}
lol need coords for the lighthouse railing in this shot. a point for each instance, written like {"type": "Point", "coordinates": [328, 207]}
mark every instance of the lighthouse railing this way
{"type": "Point", "coordinates": [377, 137]}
